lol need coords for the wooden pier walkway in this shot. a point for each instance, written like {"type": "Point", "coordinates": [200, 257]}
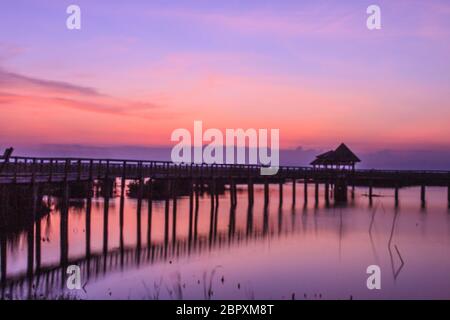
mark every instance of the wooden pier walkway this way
{"type": "Point", "coordinates": [29, 170]}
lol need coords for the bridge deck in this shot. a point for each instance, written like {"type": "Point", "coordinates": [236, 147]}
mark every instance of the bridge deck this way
{"type": "Point", "coordinates": [26, 170]}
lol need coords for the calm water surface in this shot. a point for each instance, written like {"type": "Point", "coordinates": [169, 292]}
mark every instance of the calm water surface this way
{"type": "Point", "coordinates": [306, 252]}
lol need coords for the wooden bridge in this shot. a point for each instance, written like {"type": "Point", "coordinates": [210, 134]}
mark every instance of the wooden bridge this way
{"type": "Point", "coordinates": [36, 171]}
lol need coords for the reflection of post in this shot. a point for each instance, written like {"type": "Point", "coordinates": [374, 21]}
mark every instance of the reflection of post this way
{"type": "Point", "coordinates": [266, 192]}
{"type": "Point", "coordinates": [250, 192]}
{"type": "Point", "coordinates": [196, 210]}
{"type": "Point", "coordinates": [231, 193]}
{"type": "Point", "coordinates": [211, 220]}
{"type": "Point", "coordinates": [38, 238]}
{"type": "Point", "coordinates": [36, 199]}
{"type": "Point", "coordinates": [30, 258]}
{"type": "Point", "coordinates": [105, 219]}
{"type": "Point", "coordinates": [174, 213]}
{"type": "Point", "coordinates": [139, 207]}
{"type": "Point", "coordinates": [138, 213]}
{"type": "Point", "coordinates": [3, 258]}
{"type": "Point", "coordinates": [249, 220]}
{"type": "Point", "coordinates": [108, 190]}
{"type": "Point", "coordinates": [280, 220]}
{"type": "Point", "coordinates": [88, 227]}
{"type": "Point", "coordinates": [88, 211]}
{"type": "Point", "coordinates": [234, 192]}
{"type": "Point", "coordinates": [150, 212]}
{"type": "Point", "coordinates": [64, 238]}
{"type": "Point", "coordinates": [166, 218]}
{"type": "Point", "coordinates": [232, 222]}
{"type": "Point", "coordinates": [266, 220]}
{"type": "Point", "coordinates": [191, 211]}
{"type": "Point", "coordinates": [121, 211]}
{"type": "Point", "coordinates": [216, 214]}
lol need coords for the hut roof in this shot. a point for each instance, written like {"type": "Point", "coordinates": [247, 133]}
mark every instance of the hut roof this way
{"type": "Point", "coordinates": [342, 155]}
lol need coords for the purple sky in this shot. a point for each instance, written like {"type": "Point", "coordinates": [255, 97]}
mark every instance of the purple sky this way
{"type": "Point", "coordinates": [137, 70]}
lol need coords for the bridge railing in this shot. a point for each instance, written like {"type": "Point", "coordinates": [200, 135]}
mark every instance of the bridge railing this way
{"type": "Point", "coordinates": [84, 168]}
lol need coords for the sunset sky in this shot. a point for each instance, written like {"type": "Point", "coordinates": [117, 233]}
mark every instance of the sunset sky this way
{"type": "Point", "coordinates": [137, 70]}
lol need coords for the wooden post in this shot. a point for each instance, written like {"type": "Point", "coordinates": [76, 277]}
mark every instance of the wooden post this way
{"type": "Point", "coordinates": [250, 192]}
{"type": "Point", "coordinates": [15, 169]}
{"type": "Point", "coordinates": [396, 195]}
{"type": "Point", "coordinates": [123, 180]}
{"type": "Point", "coordinates": [327, 192]}
{"type": "Point", "coordinates": [79, 170]}
{"type": "Point", "coordinates": [107, 168]}
{"type": "Point", "coordinates": [233, 192]}
{"type": "Point", "coordinates": [266, 192]}
{"type": "Point", "coordinates": [33, 171]}
{"type": "Point", "coordinates": [216, 195]}
{"type": "Point", "coordinates": [370, 193]}
{"type": "Point", "coordinates": [294, 184]}
{"type": "Point", "coordinates": [305, 189]}
{"type": "Point", "coordinates": [280, 185]}
{"type": "Point", "coordinates": [422, 194]}
{"type": "Point", "coordinates": [448, 194]}
{"type": "Point", "coordinates": [316, 192]}
{"type": "Point", "coordinates": [66, 169]}
{"type": "Point", "coordinates": [50, 174]}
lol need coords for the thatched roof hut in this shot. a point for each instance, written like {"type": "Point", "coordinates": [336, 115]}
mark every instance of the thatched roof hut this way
{"type": "Point", "coordinates": [340, 158]}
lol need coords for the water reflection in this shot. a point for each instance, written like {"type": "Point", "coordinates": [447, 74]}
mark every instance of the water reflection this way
{"type": "Point", "coordinates": [276, 249]}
